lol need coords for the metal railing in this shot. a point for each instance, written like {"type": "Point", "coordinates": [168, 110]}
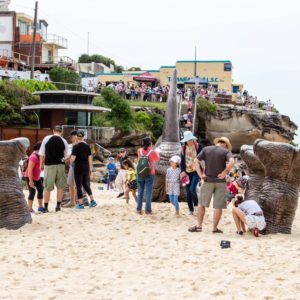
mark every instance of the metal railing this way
{"type": "Point", "coordinates": [14, 56]}
{"type": "Point", "coordinates": [57, 40]}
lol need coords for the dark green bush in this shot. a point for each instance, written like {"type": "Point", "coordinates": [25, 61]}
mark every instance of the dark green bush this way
{"type": "Point", "coordinates": [206, 106]}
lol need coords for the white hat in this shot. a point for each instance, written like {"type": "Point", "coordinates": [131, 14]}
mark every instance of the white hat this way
{"type": "Point", "coordinates": [188, 136]}
{"type": "Point", "coordinates": [175, 159]}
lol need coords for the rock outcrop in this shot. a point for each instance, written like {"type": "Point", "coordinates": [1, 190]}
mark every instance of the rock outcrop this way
{"type": "Point", "coordinates": [243, 125]}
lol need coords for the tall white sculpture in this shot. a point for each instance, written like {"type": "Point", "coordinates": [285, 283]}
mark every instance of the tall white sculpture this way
{"type": "Point", "coordinates": [4, 5]}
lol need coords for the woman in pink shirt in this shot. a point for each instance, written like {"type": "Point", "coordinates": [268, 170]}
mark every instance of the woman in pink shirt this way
{"type": "Point", "coordinates": [145, 180]}
{"type": "Point", "coordinates": [32, 176]}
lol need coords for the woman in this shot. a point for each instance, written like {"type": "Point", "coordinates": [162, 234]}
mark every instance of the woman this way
{"type": "Point", "coordinates": [189, 152]}
{"type": "Point", "coordinates": [32, 175]}
{"type": "Point", "coordinates": [145, 180]}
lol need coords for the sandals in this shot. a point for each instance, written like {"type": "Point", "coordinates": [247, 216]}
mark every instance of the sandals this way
{"type": "Point", "coordinates": [195, 229]}
{"type": "Point", "coordinates": [217, 231]}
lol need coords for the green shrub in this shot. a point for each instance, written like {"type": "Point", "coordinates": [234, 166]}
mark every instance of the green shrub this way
{"type": "Point", "coordinates": [35, 85]}
{"type": "Point", "coordinates": [157, 125]}
{"type": "Point", "coordinates": [206, 106]}
{"type": "Point", "coordinates": [144, 119]}
{"type": "Point", "coordinates": [64, 75]}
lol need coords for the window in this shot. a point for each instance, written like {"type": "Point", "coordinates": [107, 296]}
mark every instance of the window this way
{"type": "Point", "coordinates": [23, 27]}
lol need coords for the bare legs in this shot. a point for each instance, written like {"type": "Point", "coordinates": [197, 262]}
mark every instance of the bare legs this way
{"type": "Point", "coordinates": [216, 217]}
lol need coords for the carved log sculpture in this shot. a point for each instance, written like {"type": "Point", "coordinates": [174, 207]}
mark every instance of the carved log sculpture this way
{"type": "Point", "coordinates": [280, 188]}
{"type": "Point", "coordinates": [256, 173]}
{"type": "Point", "coordinates": [14, 212]}
{"type": "Point", "coordinates": [169, 145]}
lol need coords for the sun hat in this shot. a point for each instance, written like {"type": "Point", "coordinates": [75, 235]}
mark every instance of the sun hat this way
{"type": "Point", "coordinates": [175, 159]}
{"type": "Point", "coordinates": [187, 136]}
{"type": "Point", "coordinates": [224, 140]}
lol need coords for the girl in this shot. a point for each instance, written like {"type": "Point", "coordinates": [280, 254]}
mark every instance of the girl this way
{"type": "Point", "coordinates": [173, 181]}
{"type": "Point", "coordinates": [130, 180]}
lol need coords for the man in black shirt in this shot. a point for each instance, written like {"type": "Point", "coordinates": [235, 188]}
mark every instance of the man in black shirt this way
{"type": "Point", "coordinates": [52, 153]}
{"type": "Point", "coordinates": [82, 159]}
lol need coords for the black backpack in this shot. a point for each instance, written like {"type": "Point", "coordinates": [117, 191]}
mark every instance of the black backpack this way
{"type": "Point", "coordinates": [143, 166]}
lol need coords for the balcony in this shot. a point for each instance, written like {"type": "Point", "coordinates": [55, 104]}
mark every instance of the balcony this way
{"type": "Point", "coordinates": [57, 41]}
{"type": "Point", "coordinates": [27, 38]}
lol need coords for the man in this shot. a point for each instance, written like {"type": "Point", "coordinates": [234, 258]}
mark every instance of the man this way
{"type": "Point", "coordinates": [52, 153]}
{"type": "Point", "coordinates": [121, 177]}
{"type": "Point", "coordinates": [213, 178]}
{"type": "Point", "coordinates": [71, 179]}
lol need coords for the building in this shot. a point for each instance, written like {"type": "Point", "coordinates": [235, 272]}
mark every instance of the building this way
{"type": "Point", "coordinates": [217, 73]}
{"type": "Point", "coordinates": [16, 42]}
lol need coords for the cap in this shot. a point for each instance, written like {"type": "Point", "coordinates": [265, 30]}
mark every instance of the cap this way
{"type": "Point", "coordinates": [80, 133]}
{"type": "Point", "coordinates": [57, 128]}
{"type": "Point", "coordinates": [175, 159]}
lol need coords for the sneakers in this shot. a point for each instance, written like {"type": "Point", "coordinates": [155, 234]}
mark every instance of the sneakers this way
{"type": "Point", "coordinates": [45, 210]}
{"type": "Point", "coordinates": [93, 203]}
{"type": "Point", "coordinates": [32, 211]}
{"type": "Point", "coordinates": [40, 210]}
{"type": "Point", "coordinates": [79, 206]}
{"type": "Point", "coordinates": [57, 208]}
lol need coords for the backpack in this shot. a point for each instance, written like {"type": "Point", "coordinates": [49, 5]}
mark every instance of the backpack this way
{"type": "Point", "coordinates": [143, 166]}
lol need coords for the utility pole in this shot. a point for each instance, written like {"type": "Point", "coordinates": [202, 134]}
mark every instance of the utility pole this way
{"type": "Point", "coordinates": [195, 67]}
{"type": "Point", "coordinates": [34, 40]}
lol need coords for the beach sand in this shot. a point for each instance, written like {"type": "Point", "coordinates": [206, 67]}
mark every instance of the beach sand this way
{"type": "Point", "coordinates": [110, 252]}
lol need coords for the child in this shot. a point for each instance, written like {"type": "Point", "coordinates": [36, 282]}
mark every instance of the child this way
{"type": "Point", "coordinates": [173, 182]}
{"type": "Point", "coordinates": [130, 180]}
{"type": "Point", "coordinates": [112, 173]}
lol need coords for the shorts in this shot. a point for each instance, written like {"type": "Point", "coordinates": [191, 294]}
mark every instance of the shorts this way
{"type": "Point", "coordinates": [255, 222]}
{"type": "Point", "coordinates": [112, 178]}
{"type": "Point", "coordinates": [55, 175]}
{"type": "Point", "coordinates": [132, 185]}
{"type": "Point", "coordinates": [216, 189]}
{"type": "Point", "coordinates": [71, 178]}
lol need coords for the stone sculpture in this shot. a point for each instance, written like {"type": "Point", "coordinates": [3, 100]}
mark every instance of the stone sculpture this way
{"type": "Point", "coordinates": [169, 144]}
{"type": "Point", "coordinates": [14, 212]}
{"type": "Point", "coordinates": [256, 172]}
{"type": "Point", "coordinates": [278, 189]}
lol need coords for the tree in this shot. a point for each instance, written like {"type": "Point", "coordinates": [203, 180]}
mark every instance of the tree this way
{"type": "Point", "coordinates": [35, 85]}
{"type": "Point", "coordinates": [135, 69]}
{"type": "Point", "coordinates": [63, 75]}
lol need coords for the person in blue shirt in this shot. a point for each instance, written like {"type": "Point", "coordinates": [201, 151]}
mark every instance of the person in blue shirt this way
{"type": "Point", "coordinates": [112, 172]}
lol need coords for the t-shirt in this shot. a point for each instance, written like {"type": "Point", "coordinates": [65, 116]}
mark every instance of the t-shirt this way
{"type": "Point", "coordinates": [215, 158]}
{"type": "Point", "coordinates": [131, 174]}
{"type": "Point", "coordinates": [82, 152]}
{"type": "Point", "coordinates": [112, 169]}
{"type": "Point", "coordinates": [250, 207]}
{"type": "Point", "coordinates": [36, 171]}
{"type": "Point", "coordinates": [55, 149]}
{"type": "Point", "coordinates": [190, 155]}
{"type": "Point", "coordinates": [154, 156]}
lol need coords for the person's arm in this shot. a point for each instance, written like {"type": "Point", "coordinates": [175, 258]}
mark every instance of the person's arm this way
{"type": "Point", "coordinates": [42, 162]}
{"type": "Point", "coordinates": [42, 152]}
{"type": "Point", "coordinates": [226, 171]}
{"type": "Point", "coordinates": [66, 149]}
{"type": "Point", "coordinates": [30, 173]}
{"type": "Point", "coordinates": [199, 169]}
{"type": "Point", "coordinates": [90, 164]}
{"type": "Point", "coordinates": [72, 159]}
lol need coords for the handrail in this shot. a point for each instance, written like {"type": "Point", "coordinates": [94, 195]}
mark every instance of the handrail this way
{"type": "Point", "coordinates": [105, 150]}
{"type": "Point", "coordinates": [194, 116]}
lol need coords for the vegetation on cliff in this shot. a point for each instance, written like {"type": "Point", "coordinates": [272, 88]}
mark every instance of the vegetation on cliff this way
{"type": "Point", "coordinates": [206, 106]}
{"type": "Point", "coordinates": [123, 118]}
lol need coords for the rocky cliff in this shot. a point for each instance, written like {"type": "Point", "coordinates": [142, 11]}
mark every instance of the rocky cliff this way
{"type": "Point", "coordinates": [244, 125]}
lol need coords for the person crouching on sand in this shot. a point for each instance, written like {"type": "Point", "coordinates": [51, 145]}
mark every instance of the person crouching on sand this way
{"type": "Point", "coordinates": [131, 184]}
{"type": "Point", "coordinates": [248, 212]}
{"type": "Point", "coordinates": [173, 181]}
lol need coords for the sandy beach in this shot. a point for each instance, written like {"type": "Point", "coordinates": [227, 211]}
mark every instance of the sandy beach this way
{"type": "Point", "coordinates": [110, 252]}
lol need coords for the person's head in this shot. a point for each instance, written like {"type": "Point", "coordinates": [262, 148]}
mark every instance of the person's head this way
{"type": "Point", "coordinates": [73, 136]}
{"type": "Point", "coordinates": [238, 199]}
{"type": "Point", "coordinates": [127, 164]}
{"type": "Point", "coordinates": [175, 161]}
{"type": "Point", "coordinates": [188, 138]}
{"type": "Point", "coordinates": [111, 159]}
{"type": "Point", "coordinates": [147, 142]}
{"type": "Point", "coordinates": [223, 142]}
{"type": "Point", "coordinates": [122, 152]}
{"type": "Point", "coordinates": [37, 146]}
{"type": "Point", "coordinates": [80, 135]}
{"type": "Point", "coordinates": [57, 130]}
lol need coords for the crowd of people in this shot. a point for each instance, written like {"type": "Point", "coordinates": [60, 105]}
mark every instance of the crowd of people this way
{"type": "Point", "coordinates": [198, 165]}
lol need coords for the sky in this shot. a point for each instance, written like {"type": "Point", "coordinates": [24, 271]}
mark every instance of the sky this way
{"type": "Point", "coordinates": [260, 37]}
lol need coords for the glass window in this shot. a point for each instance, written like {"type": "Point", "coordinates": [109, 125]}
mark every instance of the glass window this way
{"type": "Point", "coordinates": [23, 27]}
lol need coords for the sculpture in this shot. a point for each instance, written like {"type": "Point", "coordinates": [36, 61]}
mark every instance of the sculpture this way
{"type": "Point", "coordinates": [256, 173]}
{"type": "Point", "coordinates": [170, 144]}
{"type": "Point", "coordinates": [277, 190]}
{"type": "Point", "coordinates": [14, 212]}
{"type": "Point", "coordinates": [4, 5]}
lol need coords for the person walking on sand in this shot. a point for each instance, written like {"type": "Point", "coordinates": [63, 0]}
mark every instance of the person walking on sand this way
{"type": "Point", "coordinates": [112, 173]}
{"type": "Point", "coordinates": [52, 153]}
{"type": "Point", "coordinates": [131, 180]}
{"type": "Point", "coordinates": [190, 150]}
{"type": "Point", "coordinates": [248, 212]}
{"type": "Point", "coordinates": [83, 165]}
{"type": "Point", "coordinates": [213, 177]}
{"type": "Point", "coordinates": [32, 176]}
{"type": "Point", "coordinates": [121, 177]}
{"type": "Point", "coordinates": [145, 174]}
{"type": "Point", "coordinates": [173, 182]}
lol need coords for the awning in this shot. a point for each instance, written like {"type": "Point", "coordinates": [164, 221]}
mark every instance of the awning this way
{"type": "Point", "coordinates": [75, 107]}
{"type": "Point", "coordinates": [145, 77]}
{"type": "Point", "coordinates": [198, 80]}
